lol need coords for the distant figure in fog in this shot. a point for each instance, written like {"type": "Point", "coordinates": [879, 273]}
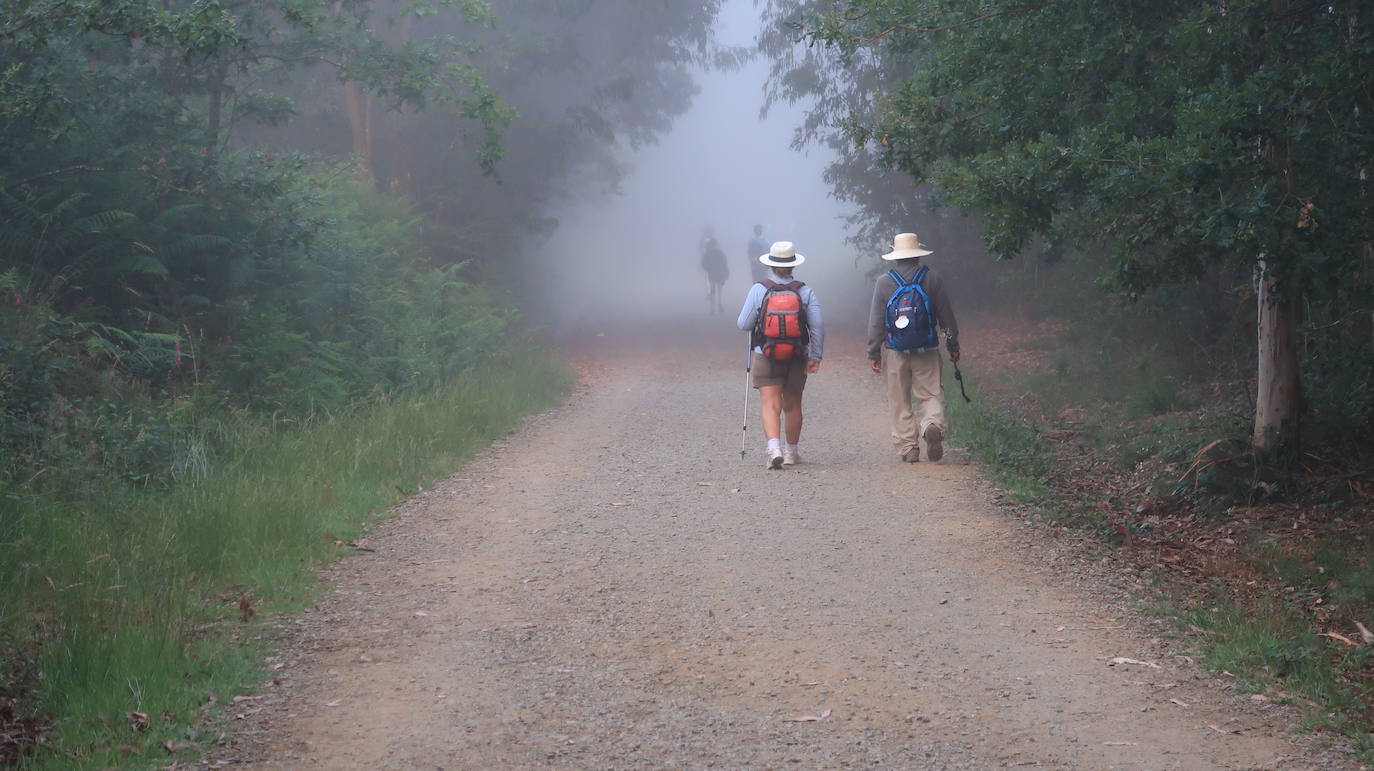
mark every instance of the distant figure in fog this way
{"type": "Point", "coordinates": [757, 245]}
{"type": "Point", "coordinates": [784, 319]}
{"type": "Point", "coordinates": [909, 304]}
{"type": "Point", "coordinates": [717, 273]}
{"type": "Point", "coordinates": [708, 233]}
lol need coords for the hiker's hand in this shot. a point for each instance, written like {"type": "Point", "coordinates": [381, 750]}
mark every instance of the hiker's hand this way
{"type": "Point", "coordinates": [876, 365]}
{"type": "Point", "coordinates": [953, 357]}
{"type": "Point", "coordinates": [812, 367]}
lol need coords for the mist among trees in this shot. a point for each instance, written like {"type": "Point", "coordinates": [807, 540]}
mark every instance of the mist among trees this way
{"type": "Point", "coordinates": [237, 235]}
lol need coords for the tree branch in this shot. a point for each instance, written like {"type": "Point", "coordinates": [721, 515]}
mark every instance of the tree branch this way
{"type": "Point", "coordinates": [97, 170]}
{"type": "Point", "coordinates": [53, 173]}
{"type": "Point", "coordinates": [908, 28]}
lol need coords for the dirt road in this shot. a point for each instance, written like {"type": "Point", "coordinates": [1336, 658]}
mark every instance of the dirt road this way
{"type": "Point", "coordinates": [614, 588]}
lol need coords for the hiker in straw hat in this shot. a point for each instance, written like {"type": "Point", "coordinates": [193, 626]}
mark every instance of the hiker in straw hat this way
{"type": "Point", "coordinates": [783, 354]}
{"type": "Point", "coordinates": [909, 303]}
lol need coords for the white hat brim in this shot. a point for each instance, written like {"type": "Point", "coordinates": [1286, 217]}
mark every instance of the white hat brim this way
{"type": "Point", "coordinates": [766, 259]}
{"type": "Point", "coordinates": [905, 254]}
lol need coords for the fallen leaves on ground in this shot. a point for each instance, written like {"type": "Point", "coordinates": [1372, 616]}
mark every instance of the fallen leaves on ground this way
{"type": "Point", "coordinates": [1339, 636]}
{"type": "Point", "coordinates": [807, 718]}
{"type": "Point", "coordinates": [1123, 660]}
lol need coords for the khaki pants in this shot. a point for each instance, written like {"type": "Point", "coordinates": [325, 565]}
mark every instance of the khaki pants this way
{"type": "Point", "coordinates": [914, 375]}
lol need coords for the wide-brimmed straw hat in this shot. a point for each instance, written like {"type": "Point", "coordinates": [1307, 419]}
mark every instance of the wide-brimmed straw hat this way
{"type": "Point", "coordinates": [782, 255]}
{"type": "Point", "coordinates": [906, 246]}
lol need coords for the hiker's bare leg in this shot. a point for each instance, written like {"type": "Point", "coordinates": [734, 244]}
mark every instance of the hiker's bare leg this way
{"type": "Point", "coordinates": [772, 399]}
{"type": "Point", "coordinates": [792, 413]}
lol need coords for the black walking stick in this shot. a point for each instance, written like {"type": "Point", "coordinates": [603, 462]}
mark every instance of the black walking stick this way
{"type": "Point", "coordinates": [960, 377]}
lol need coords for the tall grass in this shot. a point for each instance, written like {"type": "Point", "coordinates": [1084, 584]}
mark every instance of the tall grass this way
{"type": "Point", "coordinates": [130, 602]}
{"type": "Point", "coordinates": [1007, 444]}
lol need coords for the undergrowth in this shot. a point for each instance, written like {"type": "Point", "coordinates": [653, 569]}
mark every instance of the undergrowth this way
{"type": "Point", "coordinates": [1142, 447]}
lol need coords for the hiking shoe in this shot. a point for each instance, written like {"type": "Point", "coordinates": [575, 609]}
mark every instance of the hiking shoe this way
{"type": "Point", "coordinates": [935, 443]}
{"type": "Point", "coordinates": [775, 459]}
{"type": "Point", "coordinates": [790, 458]}
{"type": "Point", "coordinates": [912, 455]}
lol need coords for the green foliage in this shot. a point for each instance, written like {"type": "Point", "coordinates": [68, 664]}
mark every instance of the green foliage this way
{"type": "Point", "coordinates": [1174, 142]}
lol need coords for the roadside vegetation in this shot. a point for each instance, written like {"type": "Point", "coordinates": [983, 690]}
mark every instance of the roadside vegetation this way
{"type": "Point", "coordinates": [1092, 428]}
{"type": "Point", "coordinates": [260, 266]}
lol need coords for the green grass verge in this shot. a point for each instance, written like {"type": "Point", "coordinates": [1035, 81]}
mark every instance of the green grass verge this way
{"type": "Point", "coordinates": [130, 603]}
{"type": "Point", "coordinates": [1009, 447]}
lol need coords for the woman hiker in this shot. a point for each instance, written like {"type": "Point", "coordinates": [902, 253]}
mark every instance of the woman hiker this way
{"type": "Point", "coordinates": [784, 318]}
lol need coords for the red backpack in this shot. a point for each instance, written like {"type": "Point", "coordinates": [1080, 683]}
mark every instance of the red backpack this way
{"type": "Point", "coordinates": [781, 328]}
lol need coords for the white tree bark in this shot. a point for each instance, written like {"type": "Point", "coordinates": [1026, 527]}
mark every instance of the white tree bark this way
{"type": "Point", "coordinates": [1278, 402]}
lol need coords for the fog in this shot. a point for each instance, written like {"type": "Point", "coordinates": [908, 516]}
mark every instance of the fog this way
{"type": "Point", "coordinates": [634, 256]}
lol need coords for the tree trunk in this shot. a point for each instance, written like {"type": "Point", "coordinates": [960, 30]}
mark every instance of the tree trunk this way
{"type": "Point", "coordinates": [215, 110]}
{"type": "Point", "coordinates": [1278, 402]}
{"type": "Point", "coordinates": [356, 106]}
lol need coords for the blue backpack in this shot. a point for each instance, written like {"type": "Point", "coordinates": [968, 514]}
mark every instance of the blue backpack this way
{"type": "Point", "coordinates": [910, 317]}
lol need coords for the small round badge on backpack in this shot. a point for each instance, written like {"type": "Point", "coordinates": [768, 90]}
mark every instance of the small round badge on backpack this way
{"type": "Point", "coordinates": [902, 322]}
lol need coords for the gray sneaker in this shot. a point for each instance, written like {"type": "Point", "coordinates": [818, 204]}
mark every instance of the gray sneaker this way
{"type": "Point", "coordinates": [913, 455]}
{"type": "Point", "coordinates": [775, 459]}
{"type": "Point", "coordinates": [790, 458]}
{"type": "Point", "coordinates": [935, 443]}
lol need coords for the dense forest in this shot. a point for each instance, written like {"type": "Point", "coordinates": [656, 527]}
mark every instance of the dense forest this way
{"type": "Point", "coordinates": [227, 200]}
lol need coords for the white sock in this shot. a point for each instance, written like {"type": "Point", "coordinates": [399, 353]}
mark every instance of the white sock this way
{"type": "Point", "coordinates": [774, 444]}
{"type": "Point", "coordinates": [792, 448]}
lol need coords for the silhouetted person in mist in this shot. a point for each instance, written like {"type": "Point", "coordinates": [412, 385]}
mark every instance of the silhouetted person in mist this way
{"type": "Point", "coordinates": [757, 245]}
{"type": "Point", "coordinates": [708, 233]}
{"type": "Point", "coordinates": [909, 319]}
{"type": "Point", "coordinates": [781, 382]}
{"type": "Point", "coordinates": [717, 273]}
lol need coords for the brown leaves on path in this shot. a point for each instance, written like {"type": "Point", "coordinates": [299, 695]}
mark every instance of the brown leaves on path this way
{"type": "Point", "coordinates": [808, 718]}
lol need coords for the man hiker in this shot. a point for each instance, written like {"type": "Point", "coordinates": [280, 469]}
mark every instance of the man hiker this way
{"type": "Point", "coordinates": [717, 272]}
{"type": "Point", "coordinates": [757, 245]}
{"type": "Point", "coordinates": [909, 302]}
{"type": "Point", "coordinates": [787, 336]}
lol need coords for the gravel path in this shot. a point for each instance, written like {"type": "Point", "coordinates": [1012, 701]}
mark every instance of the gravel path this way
{"type": "Point", "coordinates": [614, 588]}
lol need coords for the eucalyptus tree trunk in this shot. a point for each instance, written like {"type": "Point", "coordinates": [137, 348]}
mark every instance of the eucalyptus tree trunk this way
{"type": "Point", "coordinates": [1278, 399]}
{"type": "Point", "coordinates": [358, 107]}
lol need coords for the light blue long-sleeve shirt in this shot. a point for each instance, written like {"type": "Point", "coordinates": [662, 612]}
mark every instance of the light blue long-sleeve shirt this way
{"type": "Point", "coordinates": [815, 326]}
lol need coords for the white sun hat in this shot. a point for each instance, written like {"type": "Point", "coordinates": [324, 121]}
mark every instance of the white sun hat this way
{"type": "Point", "coordinates": [904, 246]}
{"type": "Point", "coordinates": [782, 255]}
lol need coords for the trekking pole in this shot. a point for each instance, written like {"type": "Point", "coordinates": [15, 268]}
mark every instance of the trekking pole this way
{"type": "Point", "coordinates": [960, 377]}
{"type": "Point", "coordinates": [744, 432]}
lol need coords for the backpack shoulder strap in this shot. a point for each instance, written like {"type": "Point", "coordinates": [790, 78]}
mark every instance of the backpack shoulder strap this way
{"type": "Point", "coordinates": [793, 285]}
{"type": "Point", "coordinates": [920, 274]}
{"type": "Point", "coordinates": [897, 277]}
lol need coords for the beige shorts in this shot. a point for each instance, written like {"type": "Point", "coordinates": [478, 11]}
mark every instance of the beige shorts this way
{"type": "Point", "coordinates": [791, 374]}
